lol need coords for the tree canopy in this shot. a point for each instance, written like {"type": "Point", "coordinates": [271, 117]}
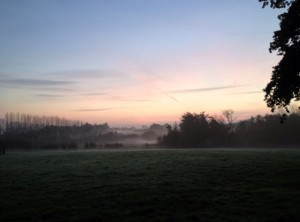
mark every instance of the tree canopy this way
{"type": "Point", "coordinates": [202, 130]}
{"type": "Point", "coordinates": [285, 81]}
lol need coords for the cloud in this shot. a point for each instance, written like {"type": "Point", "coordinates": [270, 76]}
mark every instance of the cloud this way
{"type": "Point", "coordinates": [250, 92]}
{"type": "Point", "coordinates": [95, 110]}
{"type": "Point", "coordinates": [59, 89]}
{"type": "Point", "coordinates": [48, 96]}
{"type": "Point", "coordinates": [93, 94]}
{"type": "Point", "coordinates": [38, 84]}
{"type": "Point", "coordinates": [126, 99]}
{"type": "Point", "coordinates": [33, 82]}
{"type": "Point", "coordinates": [110, 97]}
{"type": "Point", "coordinates": [203, 89]}
{"type": "Point", "coordinates": [87, 73]}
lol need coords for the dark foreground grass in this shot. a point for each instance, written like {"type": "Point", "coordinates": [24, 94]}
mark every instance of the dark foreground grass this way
{"type": "Point", "coordinates": [151, 185]}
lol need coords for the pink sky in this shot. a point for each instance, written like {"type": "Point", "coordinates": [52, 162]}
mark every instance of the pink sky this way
{"type": "Point", "coordinates": [129, 63]}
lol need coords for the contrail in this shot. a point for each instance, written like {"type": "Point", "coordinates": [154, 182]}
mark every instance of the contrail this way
{"type": "Point", "coordinates": [165, 93]}
{"type": "Point", "coordinates": [205, 89]}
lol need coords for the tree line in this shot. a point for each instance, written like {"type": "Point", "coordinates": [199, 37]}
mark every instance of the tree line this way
{"type": "Point", "coordinates": [22, 123]}
{"type": "Point", "coordinates": [203, 130]}
{"type": "Point", "coordinates": [194, 130]}
{"type": "Point", "coordinates": [23, 131]}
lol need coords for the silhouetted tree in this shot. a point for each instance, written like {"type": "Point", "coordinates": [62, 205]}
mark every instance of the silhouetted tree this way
{"type": "Point", "coordinates": [172, 138]}
{"type": "Point", "coordinates": [201, 130]}
{"type": "Point", "coordinates": [217, 133]}
{"type": "Point", "coordinates": [266, 131]}
{"type": "Point", "coordinates": [228, 115]}
{"type": "Point", "coordinates": [194, 129]}
{"type": "Point", "coordinates": [285, 82]}
{"type": "Point", "coordinates": [158, 129]}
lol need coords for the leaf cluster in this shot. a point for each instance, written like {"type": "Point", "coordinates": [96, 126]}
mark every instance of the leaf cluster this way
{"type": "Point", "coordinates": [285, 81]}
{"type": "Point", "coordinates": [276, 3]}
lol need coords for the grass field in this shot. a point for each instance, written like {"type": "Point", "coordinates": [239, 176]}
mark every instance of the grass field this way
{"type": "Point", "coordinates": [151, 185]}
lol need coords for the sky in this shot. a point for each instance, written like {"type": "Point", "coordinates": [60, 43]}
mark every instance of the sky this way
{"type": "Point", "coordinates": [134, 62]}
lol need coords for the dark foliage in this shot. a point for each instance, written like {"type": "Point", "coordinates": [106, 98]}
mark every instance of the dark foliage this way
{"type": "Point", "coordinates": [24, 131]}
{"type": "Point", "coordinates": [276, 3]}
{"type": "Point", "coordinates": [40, 132]}
{"type": "Point", "coordinates": [113, 145]}
{"type": "Point", "coordinates": [285, 81]}
{"type": "Point", "coordinates": [90, 145]}
{"type": "Point", "coordinates": [172, 138]}
{"type": "Point", "coordinates": [200, 130]}
{"type": "Point", "coordinates": [195, 130]}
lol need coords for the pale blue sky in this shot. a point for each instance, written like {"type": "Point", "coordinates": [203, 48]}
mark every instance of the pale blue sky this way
{"type": "Point", "coordinates": [134, 61]}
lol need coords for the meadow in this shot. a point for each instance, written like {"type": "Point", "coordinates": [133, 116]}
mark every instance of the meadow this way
{"type": "Point", "coordinates": [151, 185]}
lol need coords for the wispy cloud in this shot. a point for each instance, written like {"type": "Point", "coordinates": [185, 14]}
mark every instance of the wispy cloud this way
{"type": "Point", "coordinates": [109, 97]}
{"type": "Point", "coordinates": [93, 94]}
{"type": "Point", "coordinates": [45, 85]}
{"type": "Point", "coordinates": [133, 100]}
{"type": "Point", "coordinates": [203, 89]}
{"type": "Point", "coordinates": [33, 82]}
{"type": "Point", "coordinates": [86, 73]}
{"type": "Point", "coordinates": [96, 110]}
{"type": "Point", "coordinates": [249, 92]}
{"type": "Point", "coordinates": [49, 96]}
{"type": "Point", "coordinates": [126, 99]}
{"type": "Point", "coordinates": [59, 89]}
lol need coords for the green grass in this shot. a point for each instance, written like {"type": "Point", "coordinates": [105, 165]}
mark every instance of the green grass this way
{"type": "Point", "coordinates": [151, 185]}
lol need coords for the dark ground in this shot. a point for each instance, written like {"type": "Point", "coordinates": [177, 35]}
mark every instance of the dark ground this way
{"type": "Point", "coordinates": [151, 185]}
